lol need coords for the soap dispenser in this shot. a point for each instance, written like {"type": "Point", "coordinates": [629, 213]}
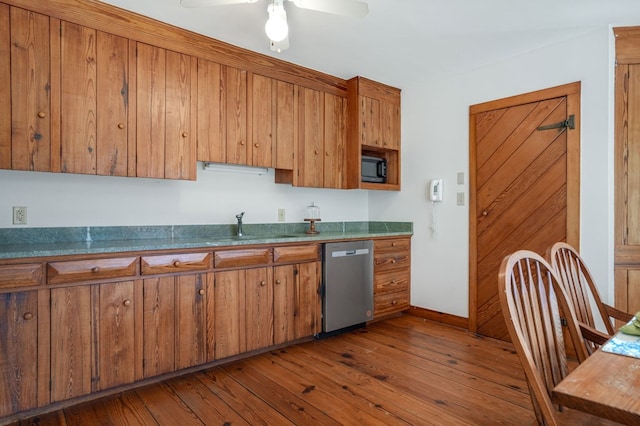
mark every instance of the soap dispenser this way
{"type": "Point", "coordinates": [312, 216]}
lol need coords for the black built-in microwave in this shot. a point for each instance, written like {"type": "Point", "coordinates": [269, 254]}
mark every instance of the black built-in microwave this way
{"type": "Point", "coordinates": [374, 169]}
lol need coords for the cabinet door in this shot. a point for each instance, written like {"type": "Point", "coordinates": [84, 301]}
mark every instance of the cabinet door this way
{"type": "Point", "coordinates": [19, 342]}
{"type": "Point", "coordinates": [229, 310]}
{"type": "Point", "coordinates": [259, 308]}
{"type": "Point", "coordinates": [263, 119]}
{"type": "Point", "coordinates": [308, 303]}
{"type": "Point", "coordinates": [159, 333]}
{"type": "Point", "coordinates": [192, 345]}
{"type": "Point", "coordinates": [165, 145]}
{"type": "Point", "coordinates": [71, 342]}
{"type": "Point", "coordinates": [370, 121]}
{"type": "Point", "coordinates": [311, 140]}
{"type": "Point", "coordinates": [390, 124]}
{"type": "Point", "coordinates": [211, 144]}
{"type": "Point", "coordinates": [284, 304]}
{"type": "Point", "coordinates": [235, 114]}
{"type": "Point", "coordinates": [116, 358]}
{"type": "Point", "coordinates": [334, 140]}
{"type": "Point", "coordinates": [286, 125]}
{"type": "Point", "coordinates": [5, 88]}
{"type": "Point", "coordinates": [112, 67]}
{"type": "Point", "coordinates": [30, 91]}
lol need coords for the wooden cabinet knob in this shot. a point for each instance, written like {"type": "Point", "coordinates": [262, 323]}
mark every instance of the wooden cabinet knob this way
{"type": "Point", "coordinates": [177, 263]}
{"type": "Point", "coordinates": [393, 244]}
{"type": "Point", "coordinates": [242, 143]}
{"type": "Point", "coordinates": [120, 125]}
{"type": "Point", "coordinates": [95, 269]}
{"type": "Point", "coordinates": [326, 153]}
{"type": "Point", "coordinates": [278, 282]}
{"type": "Point", "coordinates": [393, 261]}
{"type": "Point", "coordinates": [263, 283]}
{"type": "Point", "coordinates": [484, 213]}
{"type": "Point", "coordinates": [201, 292]}
{"type": "Point", "coordinates": [315, 152]}
{"type": "Point", "coordinates": [393, 281]}
{"type": "Point", "coordinates": [184, 134]}
{"type": "Point", "coordinates": [127, 302]}
{"type": "Point", "coordinates": [394, 302]}
{"type": "Point", "coordinates": [27, 316]}
{"type": "Point", "coordinates": [257, 145]}
{"type": "Point", "coordinates": [41, 114]}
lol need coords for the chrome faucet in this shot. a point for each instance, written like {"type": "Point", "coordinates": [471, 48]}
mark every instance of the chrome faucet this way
{"type": "Point", "coordinates": [239, 217]}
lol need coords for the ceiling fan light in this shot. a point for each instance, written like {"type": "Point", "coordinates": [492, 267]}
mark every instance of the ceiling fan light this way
{"type": "Point", "coordinates": [276, 27]}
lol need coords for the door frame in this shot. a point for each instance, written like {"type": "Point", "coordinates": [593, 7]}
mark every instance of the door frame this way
{"type": "Point", "coordinates": [572, 93]}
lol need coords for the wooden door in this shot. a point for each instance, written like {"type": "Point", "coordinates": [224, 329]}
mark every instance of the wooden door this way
{"type": "Point", "coordinates": [235, 114]}
{"type": "Point", "coordinates": [210, 127]}
{"type": "Point", "coordinates": [284, 312]}
{"type": "Point", "coordinates": [286, 125]}
{"type": "Point", "coordinates": [18, 351]}
{"type": "Point", "coordinates": [263, 120]}
{"type": "Point", "coordinates": [627, 169]}
{"type": "Point", "coordinates": [115, 326]}
{"type": "Point", "coordinates": [229, 310]}
{"type": "Point", "coordinates": [159, 333]}
{"type": "Point", "coordinates": [334, 141]}
{"type": "Point", "coordinates": [71, 342]}
{"type": "Point", "coordinates": [259, 307]}
{"type": "Point", "coordinates": [390, 125]}
{"type": "Point", "coordinates": [31, 113]}
{"type": "Point", "coordinates": [370, 131]}
{"type": "Point", "coordinates": [308, 308]}
{"type": "Point", "coordinates": [192, 343]}
{"type": "Point", "coordinates": [524, 186]}
{"type": "Point", "coordinates": [5, 88]}
{"type": "Point", "coordinates": [310, 168]}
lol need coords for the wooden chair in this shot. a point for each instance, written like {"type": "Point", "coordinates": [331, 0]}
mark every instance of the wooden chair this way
{"type": "Point", "coordinates": [578, 283]}
{"type": "Point", "coordinates": [532, 298]}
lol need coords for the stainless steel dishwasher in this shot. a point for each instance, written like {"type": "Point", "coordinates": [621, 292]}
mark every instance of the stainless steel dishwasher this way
{"type": "Point", "coordinates": [347, 285]}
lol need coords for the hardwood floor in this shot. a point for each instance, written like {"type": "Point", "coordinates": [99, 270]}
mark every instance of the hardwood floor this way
{"type": "Point", "coordinates": [404, 370]}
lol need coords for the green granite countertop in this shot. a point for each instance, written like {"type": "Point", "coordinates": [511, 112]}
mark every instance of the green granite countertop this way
{"type": "Point", "coordinates": [47, 242]}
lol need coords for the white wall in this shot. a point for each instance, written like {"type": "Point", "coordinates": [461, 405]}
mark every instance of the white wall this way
{"type": "Point", "coordinates": [435, 144]}
{"type": "Point", "coordinates": [55, 199]}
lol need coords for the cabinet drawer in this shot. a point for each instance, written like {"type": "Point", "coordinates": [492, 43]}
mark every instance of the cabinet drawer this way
{"type": "Point", "coordinates": [392, 245]}
{"type": "Point", "coordinates": [304, 253]}
{"type": "Point", "coordinates": [390, 303]}
{"type": "Point", "coordinates": [391, 281]}
{"type": "Point", "coordinates": [169, 263]}
{"type": "Point", "coordinates": [240, 258]}
{"type": "Point", "coordinates": [21, 275]}
{"type": "Point", "coordinates": [85, 270]}
{"type": "Point", "coordinates": [391, 261]}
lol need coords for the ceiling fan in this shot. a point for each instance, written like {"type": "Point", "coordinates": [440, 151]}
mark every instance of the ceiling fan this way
{"type": "Point", "coordinates": [276, 27]}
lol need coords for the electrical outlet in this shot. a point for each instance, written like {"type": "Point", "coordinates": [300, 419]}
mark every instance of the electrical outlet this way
{"type": "Point", "coordinates": [280, 215]}
{"type": "Point", "coordinates": [460, 198]}
{"type": "Point", "coordinates": [19, 215]}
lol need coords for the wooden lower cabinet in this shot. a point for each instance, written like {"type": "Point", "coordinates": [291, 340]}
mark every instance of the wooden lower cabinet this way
{"type": "Point", "coordinates": [392, 272]}
{"type": "Point", "coordinates": [93, 343]}
{"type": "Point", "coordinates": [297, 303]}
{"type": "Point", "coordinates": [24, 382]}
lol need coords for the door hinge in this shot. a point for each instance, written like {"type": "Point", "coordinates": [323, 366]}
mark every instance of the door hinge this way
{"type": "Point", "coordinates": [569, 123]}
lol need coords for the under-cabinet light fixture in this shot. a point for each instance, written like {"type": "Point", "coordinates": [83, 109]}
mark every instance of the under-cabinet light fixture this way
{"type": "Point", "coordinates": [236, 168]}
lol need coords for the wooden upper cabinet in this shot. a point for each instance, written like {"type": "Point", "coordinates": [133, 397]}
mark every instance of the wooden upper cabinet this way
{"type": "Point", "coordinates": [263, 120]}
{"type": "Point", "coordinates": [334, 140]}
{"type": "Point", "coordinates": [165, 115]}
{"type": "Point", "coordinates": [94, 101]}
{"type": "Point", "coordinates": [222, 113]}
{"type": "Point", "coordinates": [5, 88]}
{"type": "Point", "coordinates": [310, 167]}
{"type": "Point", "coordinates": [273, 122]}
{"type": "Point", "coordinates": [234, 86]}
{"type": "Point", "coordinates": [30, 71]}
{"type": "Point", "coordinates": [373, 129]}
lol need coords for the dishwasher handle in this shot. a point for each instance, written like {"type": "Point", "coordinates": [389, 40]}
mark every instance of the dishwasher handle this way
{"type": "Point", "coordinates": [345, 253]}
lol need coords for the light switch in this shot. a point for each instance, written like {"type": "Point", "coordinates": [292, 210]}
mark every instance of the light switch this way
{"type": "Point", "coordinates": [460, 178]}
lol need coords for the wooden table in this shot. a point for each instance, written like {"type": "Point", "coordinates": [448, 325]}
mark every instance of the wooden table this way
{"type": "Point", "coordinates": [606, 385]}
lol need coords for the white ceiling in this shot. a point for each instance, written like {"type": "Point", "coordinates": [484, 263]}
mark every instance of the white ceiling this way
{"type": "Point", "coordinates": [401, 40]}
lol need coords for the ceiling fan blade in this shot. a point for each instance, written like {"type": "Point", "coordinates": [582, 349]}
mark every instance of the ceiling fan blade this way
{"type": "Point", "coordinates": [203, 3]}
{"type": "Point", "coordinates": [354, 8]}
{"type": "Point", "coordinates": [279, 46]}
